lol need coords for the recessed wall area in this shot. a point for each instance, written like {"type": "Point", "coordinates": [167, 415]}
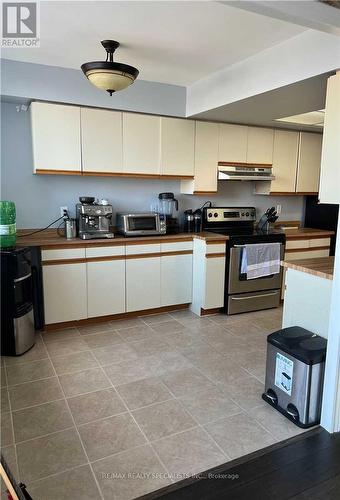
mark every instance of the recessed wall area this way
{"type": "Point", "coordinates": [38, 198]}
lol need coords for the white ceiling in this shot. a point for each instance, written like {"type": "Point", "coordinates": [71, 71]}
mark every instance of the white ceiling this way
{"type": "Point", "coordinates": [171, 42]}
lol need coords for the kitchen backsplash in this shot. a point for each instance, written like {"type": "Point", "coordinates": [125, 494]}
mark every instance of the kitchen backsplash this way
{"type": "Point", "coordinates": [38, 198]}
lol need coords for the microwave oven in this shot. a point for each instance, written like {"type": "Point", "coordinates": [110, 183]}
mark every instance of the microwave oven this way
{"type": "Point", "coordinates": [140, 224]}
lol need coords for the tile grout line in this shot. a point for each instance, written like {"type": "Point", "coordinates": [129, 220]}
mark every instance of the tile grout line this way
{"type": "Point", "coordinates": [12, 423]}
{"type": "Point", "coordinates": [136, 423]}
{"type": "Point", "coordinates": [77, 431]}
{"type": "Point", "coordinates": [199, 424]}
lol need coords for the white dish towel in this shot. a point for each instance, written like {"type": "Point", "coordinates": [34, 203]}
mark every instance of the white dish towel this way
{"type": "Point", "coordinates": [260, 259]}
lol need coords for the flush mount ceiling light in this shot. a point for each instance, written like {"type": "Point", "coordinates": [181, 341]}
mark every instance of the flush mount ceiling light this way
{"type": "Point", "coordinates": [109, 75]}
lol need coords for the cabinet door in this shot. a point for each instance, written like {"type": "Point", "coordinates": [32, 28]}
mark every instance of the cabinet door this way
{"type": "Point", "coordinates": [260, 145]}
{"type": "Point", "coordinates": [143, 283]}
{"type": "Point", "coordinates": [56, 137]}
{"type": "Point", "coordinates": [330, 171]}
{"type": "Point", "coordinates": [102, 140]}
{"type": "Point", "coordinates": [232, 143]}
{"type": "Point", "coordinates": [206, 157]}
{"type": "Point", "coordinates": [176, 279]}
{"type": "Point", "coordinates": [177, 146]}
{"type": "Point", "coordinates": [105, 287]}
{"type": "Point", "coordinates": [65, 292]}
{"type": "Point", "coordinates": [309, 163]}
{"type": "Point", "coordinates": [285, 157]}
{"type": "Point", "coordinates": [141, 143]}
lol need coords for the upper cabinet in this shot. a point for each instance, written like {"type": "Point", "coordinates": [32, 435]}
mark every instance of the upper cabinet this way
{"type": "Point", "coordinates": [206, 158]}
{"type": "Point", "coordinates": [101, 140]}
{"type": "Point", "coordinates": [141, 144]}
{"type": "Point", "coordinates": [56, 138]}
{"type": "Point", "coordinates": [308, 172]}
{"type": "Point", "coordinates": [177, 147]}
{"type": "Point", "coordinates": [296, 164]}
{"type": "Point", "coordinates": [330, 161]}
{"type": "Point", "coordinates": [285, 157]}
{"type": "Point", "coordinates": [232, 143]}
{"type": "Point", "coordinates": [242, 144]}
{"type": "Point", "coordinates": [260, 145]}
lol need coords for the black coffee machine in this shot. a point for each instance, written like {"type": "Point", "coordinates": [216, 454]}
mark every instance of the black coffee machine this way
{"type": "Point", "coordinates": [167, 205]}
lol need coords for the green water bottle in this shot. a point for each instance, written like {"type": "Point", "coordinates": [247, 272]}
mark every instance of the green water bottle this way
{"type": "Point", "coordinates": [8, 231]}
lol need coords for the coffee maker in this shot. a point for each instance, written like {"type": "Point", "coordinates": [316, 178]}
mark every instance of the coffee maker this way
{"type": "Point", "coordinates": [93, 219]}
{"type": "Point", "coordinates": [167, 204]}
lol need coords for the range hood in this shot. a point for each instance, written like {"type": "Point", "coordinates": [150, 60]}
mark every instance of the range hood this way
{"type": "Point", "coordinates": [244, 172]}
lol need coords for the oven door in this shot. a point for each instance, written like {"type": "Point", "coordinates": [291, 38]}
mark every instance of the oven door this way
{"type": "Point", "coordinates": [239, 284]}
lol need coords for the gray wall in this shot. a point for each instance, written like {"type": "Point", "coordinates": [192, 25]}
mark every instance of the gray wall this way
{"type": "Point", "coordinates": [27, 81]}
{"type": "Point", "coordinates": [38, 198]}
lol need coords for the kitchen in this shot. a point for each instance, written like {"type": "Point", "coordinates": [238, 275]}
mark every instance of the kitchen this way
{"type": "Point", "coordinates": [138, 358]}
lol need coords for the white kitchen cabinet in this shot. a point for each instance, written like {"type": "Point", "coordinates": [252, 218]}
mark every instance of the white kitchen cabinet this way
{"type": "Point", "coordinates": [308, 173]}
{"type": "Point", "coordinates": [177, 146]}
{"type": "Point", "coordinates": [330, 159]}
{"type": "Point", "coordinates": [285, 157]}
{"type": "Point", "coordinates": [232, 143]}
{"type": "Point", "coordinates": [102, 140]}
{"type": "Point", "coordinates": [65, 292]}
{"type": "Point", "coordinates": [176, 279]}
{"type": "Point", "coordinates": [208, 276]}
{"type": "Point", "coordinates": [260, 145]}
{"type": "Point", "coordinates": [105, 287]}
{"type": "Point", "coordinates": [141, 144]}
{"type": "Point", "coordinates": [55, 138]}
{"type": "Point", "coordinates": [206, 159]}
{"type": "Point", "coordinates": [143, 283]}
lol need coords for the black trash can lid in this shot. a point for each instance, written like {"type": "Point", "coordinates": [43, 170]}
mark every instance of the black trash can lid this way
{"type": "Point", "coordinates": [300, 343]}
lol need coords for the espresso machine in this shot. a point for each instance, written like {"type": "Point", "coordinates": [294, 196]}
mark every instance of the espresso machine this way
{"type": "Point", "coordinates": [93, 219]}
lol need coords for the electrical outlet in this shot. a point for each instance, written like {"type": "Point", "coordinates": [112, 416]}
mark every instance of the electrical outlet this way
{"type": "Point", "coordinates": [62, 210]}
{"type": "Point", "coordinates": [278, 209]}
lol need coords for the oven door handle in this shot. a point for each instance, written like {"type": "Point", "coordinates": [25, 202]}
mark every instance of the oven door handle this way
{"type": "Point", "coordinates": [256, 296]}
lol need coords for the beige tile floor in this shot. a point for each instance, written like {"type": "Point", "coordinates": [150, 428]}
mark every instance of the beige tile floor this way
{"type": "Point", "coordinates": [116, 410]}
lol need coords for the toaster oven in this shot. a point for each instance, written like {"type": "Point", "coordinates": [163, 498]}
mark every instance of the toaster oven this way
{"type": "Point", "coordinates": [140, 224]}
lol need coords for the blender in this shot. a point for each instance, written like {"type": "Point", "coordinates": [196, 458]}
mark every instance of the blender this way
{"type": "Point", "coordinates": [167, 205]}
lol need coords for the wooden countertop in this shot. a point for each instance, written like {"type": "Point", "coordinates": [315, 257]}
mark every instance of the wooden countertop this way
{"type": "Point", "coordinates": [50, 239]}
{"type": "Point", "coordinates": [305, 232]}
{"type": "Point", "coordinates": [322, 267]}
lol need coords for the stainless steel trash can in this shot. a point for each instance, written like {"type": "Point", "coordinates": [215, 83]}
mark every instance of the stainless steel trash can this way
{"type": "Point", "coordinates": [294, 374]}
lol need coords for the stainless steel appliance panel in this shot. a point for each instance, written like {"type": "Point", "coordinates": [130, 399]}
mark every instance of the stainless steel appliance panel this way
{"type": "Point", "coordinates": [24, 332]}
{"type": "Point", "coordinates": [140, 224]}
{"type": "Point", "coordinates": [306, 388]}
{"type": "Point", "coordinates": [254, 301]}
{"type": "Point", "coordinates": [238, 285]}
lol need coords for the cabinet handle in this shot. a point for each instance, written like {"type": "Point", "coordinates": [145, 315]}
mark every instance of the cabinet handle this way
{"type": "Point", "coordinates": [255, 296]}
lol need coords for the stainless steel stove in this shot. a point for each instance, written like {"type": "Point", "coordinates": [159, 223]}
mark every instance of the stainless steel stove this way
{"type": "Point", "coordinates": [238, 223]}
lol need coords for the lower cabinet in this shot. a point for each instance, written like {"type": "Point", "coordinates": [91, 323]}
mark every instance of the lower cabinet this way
{"type": "Point", "coordinates": [143, 283]}
{"type": "Point", "coordinates": [105, 287]}
{"type": "Point", "coordinates": [65, 292]}
{"type": "Point", "coordinates": [176, 279]}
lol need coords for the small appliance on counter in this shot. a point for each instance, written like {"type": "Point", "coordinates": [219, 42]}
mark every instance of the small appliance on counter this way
{"type": "Point", "coordinates": [188, 221]}
{"type": "Point", "coordinates": [93, 219]}
{"type": "Point", "coordinates": [140, 224]}
{"type": "Point", "coordinates": [17, 317]}
{"type": "Point", "coordinates": [167, 205]}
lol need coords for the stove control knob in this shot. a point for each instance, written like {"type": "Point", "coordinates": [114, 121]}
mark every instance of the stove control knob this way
{"type": "Point", "coordinates": [253, 214]}
{"type": "Point", "coordinates": [215, 214]}
{"type": "Point", "coordinates": [209, 214]}
{"type": "Point", "coordinates": [247, 214]}
{"type": "Point", "coordinates": [242, 214]}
